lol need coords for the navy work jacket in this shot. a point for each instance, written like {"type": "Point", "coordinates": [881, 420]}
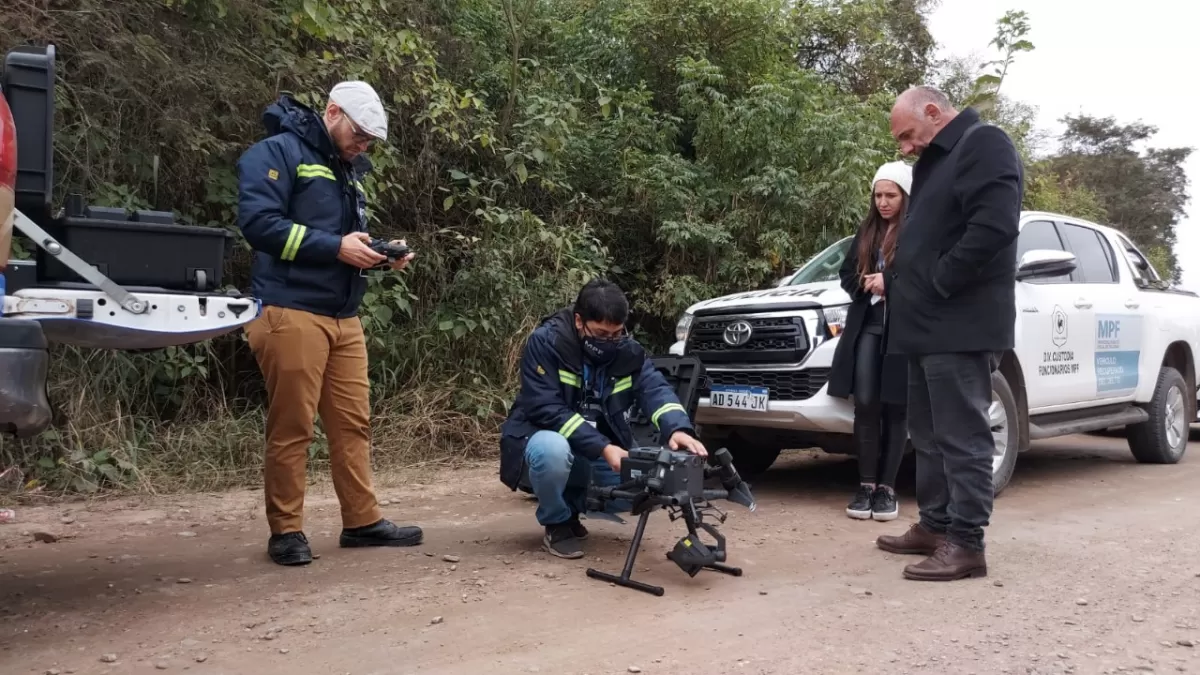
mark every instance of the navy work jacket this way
{"type": "Point", "coordinates": [296, 200]}
{"type": "Point", "coordinates": [553, 397]}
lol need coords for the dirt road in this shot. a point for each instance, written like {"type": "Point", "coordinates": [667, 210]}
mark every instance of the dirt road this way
{"type": "Point", "coordinates": [1094, 568]}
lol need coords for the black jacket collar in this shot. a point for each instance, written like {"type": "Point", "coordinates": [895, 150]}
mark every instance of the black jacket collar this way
{"type": "Point", "coordinates": [953, 132]}
{"type": "Point", "coordinates": [570, 350]}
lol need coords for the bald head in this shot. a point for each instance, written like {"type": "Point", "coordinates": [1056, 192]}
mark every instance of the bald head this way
{"type": "Point", "coordinates": [918, 115]}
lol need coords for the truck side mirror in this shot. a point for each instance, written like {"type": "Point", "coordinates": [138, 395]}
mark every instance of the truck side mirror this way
{"type": "Point", "coordinates": [1041, 263]}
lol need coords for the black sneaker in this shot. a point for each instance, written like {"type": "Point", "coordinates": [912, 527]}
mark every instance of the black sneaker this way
{"type": "Point", "coordinates": [883, 504]}
{"type": "Point", "coordinates": [860, 506]}
{"type": "Point", "coordinates": [382, 533]}
{"type": "Point", "coordinates": [577, 528]}
{"type": "Point", "coordinates": [290, 548]}
{"type": "Point", "coordinates": [561, 541]}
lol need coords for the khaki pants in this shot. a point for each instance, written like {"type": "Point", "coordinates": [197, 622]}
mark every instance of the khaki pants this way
{"type": "Point", "coordinates": [314, 364]}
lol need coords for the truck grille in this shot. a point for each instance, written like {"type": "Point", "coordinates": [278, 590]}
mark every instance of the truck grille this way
{"type": "Point", "coordinates": [772, 340]}
{"type": "Point", "coordinates": [788, 385]}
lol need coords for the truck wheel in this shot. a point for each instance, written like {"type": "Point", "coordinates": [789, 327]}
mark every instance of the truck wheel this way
{"type": "Point", "coordinates": [1163, 438]}
{"type": "Point", "coordinates": [1003, 418]}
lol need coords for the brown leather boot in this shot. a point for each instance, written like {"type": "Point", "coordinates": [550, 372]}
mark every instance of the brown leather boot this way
{"type": "Point", "coordinates": [916, 541]}
{"type": "Point", "coordinates": [949, 563]}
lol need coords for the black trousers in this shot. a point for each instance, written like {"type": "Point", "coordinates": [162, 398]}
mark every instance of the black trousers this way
{"type": "Point", "coordinates": [948, 400]}
{"type": "Point", "coordinates": [879, 428]}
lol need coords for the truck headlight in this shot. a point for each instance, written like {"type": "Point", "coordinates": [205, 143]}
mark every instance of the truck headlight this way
{"type": "Point", "coordinates": [683, 327]}
{"type": "Point", "coordinates": [835, 319]}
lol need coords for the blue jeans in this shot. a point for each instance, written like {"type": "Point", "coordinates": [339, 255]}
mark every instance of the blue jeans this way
{"type": "Point", "coordinates": [560, 479]}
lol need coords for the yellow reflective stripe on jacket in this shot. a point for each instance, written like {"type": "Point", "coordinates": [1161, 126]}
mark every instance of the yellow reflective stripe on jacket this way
{"type": "Point", "coordinates": [292, 247]}
{"type": "Point", "coordinates": [314, 171]}
{"type": "Point", "coordinates": [664, 410]}
{"type": "Point", "coordinates": [567, 377]}
{"type": "Point", "coordinates": [572, 424]}
{"type": "Point", "coordinates": [623, 384]}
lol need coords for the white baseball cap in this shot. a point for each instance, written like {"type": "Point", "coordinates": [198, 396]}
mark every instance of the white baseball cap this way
{"type": "Point", "coordinates": [360, 102]}
{"type": "Point", "coordinates": [897, 172]}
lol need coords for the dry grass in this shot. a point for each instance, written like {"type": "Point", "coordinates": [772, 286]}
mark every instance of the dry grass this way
{"type": "Point", "coordinates": [114, 435]}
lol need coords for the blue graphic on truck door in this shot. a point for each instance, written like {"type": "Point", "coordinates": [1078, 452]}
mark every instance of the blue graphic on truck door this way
{"type": "Point", "coordinates": [1118, 350]}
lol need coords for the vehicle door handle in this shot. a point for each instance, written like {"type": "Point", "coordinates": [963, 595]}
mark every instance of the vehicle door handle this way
{"type": "Point", "coordinates": [1132, 305]}
{"type": "Point", "coordinates": [1030, 310]}
{"type": "Point", "coordinates": [1083, 304]}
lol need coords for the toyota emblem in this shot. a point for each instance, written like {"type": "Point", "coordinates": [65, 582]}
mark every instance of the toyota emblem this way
{"type": "Point", "coordinates": [738, 333]}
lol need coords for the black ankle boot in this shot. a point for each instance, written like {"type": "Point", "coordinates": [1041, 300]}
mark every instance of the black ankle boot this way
{"type": "Point", "coordinates": [290, 548]}
{"type": "Point", "coordinates": [382, 533]}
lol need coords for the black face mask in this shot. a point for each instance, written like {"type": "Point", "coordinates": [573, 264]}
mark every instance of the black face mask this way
{"type": "Point", "coordinates": [600, 352]}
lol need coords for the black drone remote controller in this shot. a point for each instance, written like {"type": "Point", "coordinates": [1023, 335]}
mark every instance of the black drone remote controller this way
{"type": "Point", "coordinates": [393, 252]}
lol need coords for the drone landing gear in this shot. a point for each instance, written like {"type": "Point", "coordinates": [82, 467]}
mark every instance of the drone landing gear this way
{"type": "Point", "coordinates": [624, 579]}
{"type": "Point", "coordinates": [727, 569]}
{"type": "Point", "coordinates": [690, 553]}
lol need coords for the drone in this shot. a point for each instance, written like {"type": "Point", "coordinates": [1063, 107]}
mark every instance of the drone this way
{"type": "Point", "coordinates": [654, 478]}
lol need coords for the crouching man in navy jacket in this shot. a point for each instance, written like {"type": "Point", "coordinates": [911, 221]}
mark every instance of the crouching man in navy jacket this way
{"type": "Point", "coordinates": [581, 374]}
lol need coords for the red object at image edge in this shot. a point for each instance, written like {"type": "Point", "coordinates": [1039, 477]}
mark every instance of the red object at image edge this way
{"type": "Point", "coordinates": [8, 179]}
{"type": "Point", "coordinates": [8, 147]}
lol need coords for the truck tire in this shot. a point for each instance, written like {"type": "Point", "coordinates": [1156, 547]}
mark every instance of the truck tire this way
{"type": "Point", "coordinates": [1163, 438]}
{"type": "Point", "coordinates": [1004, 417]}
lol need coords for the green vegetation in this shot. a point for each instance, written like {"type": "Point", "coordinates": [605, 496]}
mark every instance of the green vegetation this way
{"type": "Point", "coordinates": [686, 149]}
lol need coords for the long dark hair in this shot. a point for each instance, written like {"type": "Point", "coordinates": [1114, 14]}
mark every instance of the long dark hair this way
{"type": "Point", "coordinates": [876, 234]}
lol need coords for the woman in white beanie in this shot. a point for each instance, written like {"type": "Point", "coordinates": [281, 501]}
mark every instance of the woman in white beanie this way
{"type": "Point", "coordinates": [861, 366]}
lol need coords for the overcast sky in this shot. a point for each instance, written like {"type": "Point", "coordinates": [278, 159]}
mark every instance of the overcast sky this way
{"type": "Point", "coordinates": [1131, 60]}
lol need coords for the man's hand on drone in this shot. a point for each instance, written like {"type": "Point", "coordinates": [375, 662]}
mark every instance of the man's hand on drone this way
{"type": "Point", "coordinates": [613, 454]}
{"type": "Point", "coordinates": [681, 440]}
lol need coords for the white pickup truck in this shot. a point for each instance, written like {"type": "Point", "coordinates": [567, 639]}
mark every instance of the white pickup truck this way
{"type": "Point", "coordinates": [1101, 342]}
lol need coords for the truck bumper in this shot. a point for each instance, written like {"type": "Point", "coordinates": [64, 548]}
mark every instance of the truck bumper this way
{"type": "Point", "coordinates": [819, 413]}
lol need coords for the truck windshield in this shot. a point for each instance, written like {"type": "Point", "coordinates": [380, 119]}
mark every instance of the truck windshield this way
{"type": "Point", "coordinates": [823, 266]}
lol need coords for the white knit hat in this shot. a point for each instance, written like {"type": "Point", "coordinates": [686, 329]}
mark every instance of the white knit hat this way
{"type": "Point", "coordinates": [897, 172]}
{"type": "Point", "coordinates": [362, 105]}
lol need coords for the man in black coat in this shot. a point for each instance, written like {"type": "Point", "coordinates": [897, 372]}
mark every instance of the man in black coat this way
{"type": "Point", "coordinates": [951, 290]}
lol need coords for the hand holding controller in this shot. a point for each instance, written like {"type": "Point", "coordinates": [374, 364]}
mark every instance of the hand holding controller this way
{"type": "Point", "coordinates": [397, 253]}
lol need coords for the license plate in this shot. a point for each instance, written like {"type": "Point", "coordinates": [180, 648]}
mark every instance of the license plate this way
{"type": "Point", "coordinates": [753, 399]}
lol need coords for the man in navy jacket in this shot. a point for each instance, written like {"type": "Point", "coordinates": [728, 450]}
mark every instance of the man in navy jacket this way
{"type": "Point", "coordinates": [302, 209]}
{"type": "Point", "coordinates": [581, 374]}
